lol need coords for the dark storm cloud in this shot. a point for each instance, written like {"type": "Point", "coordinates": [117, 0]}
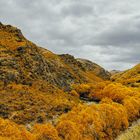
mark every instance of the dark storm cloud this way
{"type": "Point", "coordinates": [104, 31]}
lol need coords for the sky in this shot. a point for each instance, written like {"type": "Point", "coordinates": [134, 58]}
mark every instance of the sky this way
{"type": "Point", "coordinates": [106, 32]}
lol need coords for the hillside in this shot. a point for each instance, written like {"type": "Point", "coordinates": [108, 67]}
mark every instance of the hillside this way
{"type": "Point", "coordinates": [45, 96]}
{"type": "Point", "coordinates": [29, 73]}
{"type": "Point", "coordinates": [129, 77]}
{"type": "Point", "coordinates": [22, 62]}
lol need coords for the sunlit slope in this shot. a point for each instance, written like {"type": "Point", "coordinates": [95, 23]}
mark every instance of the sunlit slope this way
{"type": "Point", "coordinates": [130, 77]}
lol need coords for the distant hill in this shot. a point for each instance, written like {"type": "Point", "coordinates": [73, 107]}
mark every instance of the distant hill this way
{"type": "Point", "coordinates": [94, 68]}
{"type": "Point", "coordinates": [129, 77]}
{"type": "Point", "coordinates": [112, 72]}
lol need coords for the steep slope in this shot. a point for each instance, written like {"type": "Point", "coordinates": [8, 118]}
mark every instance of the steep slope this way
{"type": "Point", "coordinates": [29, 77]}
{"type": "Point", "coordinates": [22, 62]}
{"type": "Point", "coordinates": [129, 77]}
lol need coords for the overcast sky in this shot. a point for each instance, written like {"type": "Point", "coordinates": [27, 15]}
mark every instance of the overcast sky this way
{"type": "Point", "coordinates": [104, 31]}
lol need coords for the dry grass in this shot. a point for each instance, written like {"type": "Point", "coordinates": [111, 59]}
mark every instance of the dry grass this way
{"type": "Point", "coordinates": [133, 133]}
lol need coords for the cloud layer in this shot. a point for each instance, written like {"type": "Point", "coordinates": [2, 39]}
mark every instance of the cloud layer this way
{"type": "Point", "coordinates": [104, 31]}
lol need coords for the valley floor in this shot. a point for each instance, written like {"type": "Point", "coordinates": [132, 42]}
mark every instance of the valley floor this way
{"type": "Point", "coordinates": [132, 133]}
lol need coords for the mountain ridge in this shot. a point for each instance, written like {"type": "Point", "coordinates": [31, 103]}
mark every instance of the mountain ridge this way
{"type": "Point", "coordinates": [26, 62]}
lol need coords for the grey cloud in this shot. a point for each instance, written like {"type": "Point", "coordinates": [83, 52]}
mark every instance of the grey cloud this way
{"type": "Point", "coordinates": [78, 10]}
{"type": "Point", "coordinates": [124, 33]}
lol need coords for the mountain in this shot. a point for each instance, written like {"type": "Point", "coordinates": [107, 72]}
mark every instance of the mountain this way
{"type": "Point", "coordinates": [129, 77]}
{"type": "Point", "coordinates": [22, 62]}
{"type": "Point", "coordinates": [113, 72]}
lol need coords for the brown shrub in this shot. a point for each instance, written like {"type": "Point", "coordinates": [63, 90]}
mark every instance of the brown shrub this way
{"type": "Point", "coordinates": [132, 105]}
{"type": "Point", "coordinates": [45, 132]}
{"type": "Point", "coordinates": [68, 130]}
{"type": "Point", "coordinates": [11, 131]}
{"type": "Point", "coordinates": [115, 91]}
{"type": "Point", "coordinates": [103, 121]}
